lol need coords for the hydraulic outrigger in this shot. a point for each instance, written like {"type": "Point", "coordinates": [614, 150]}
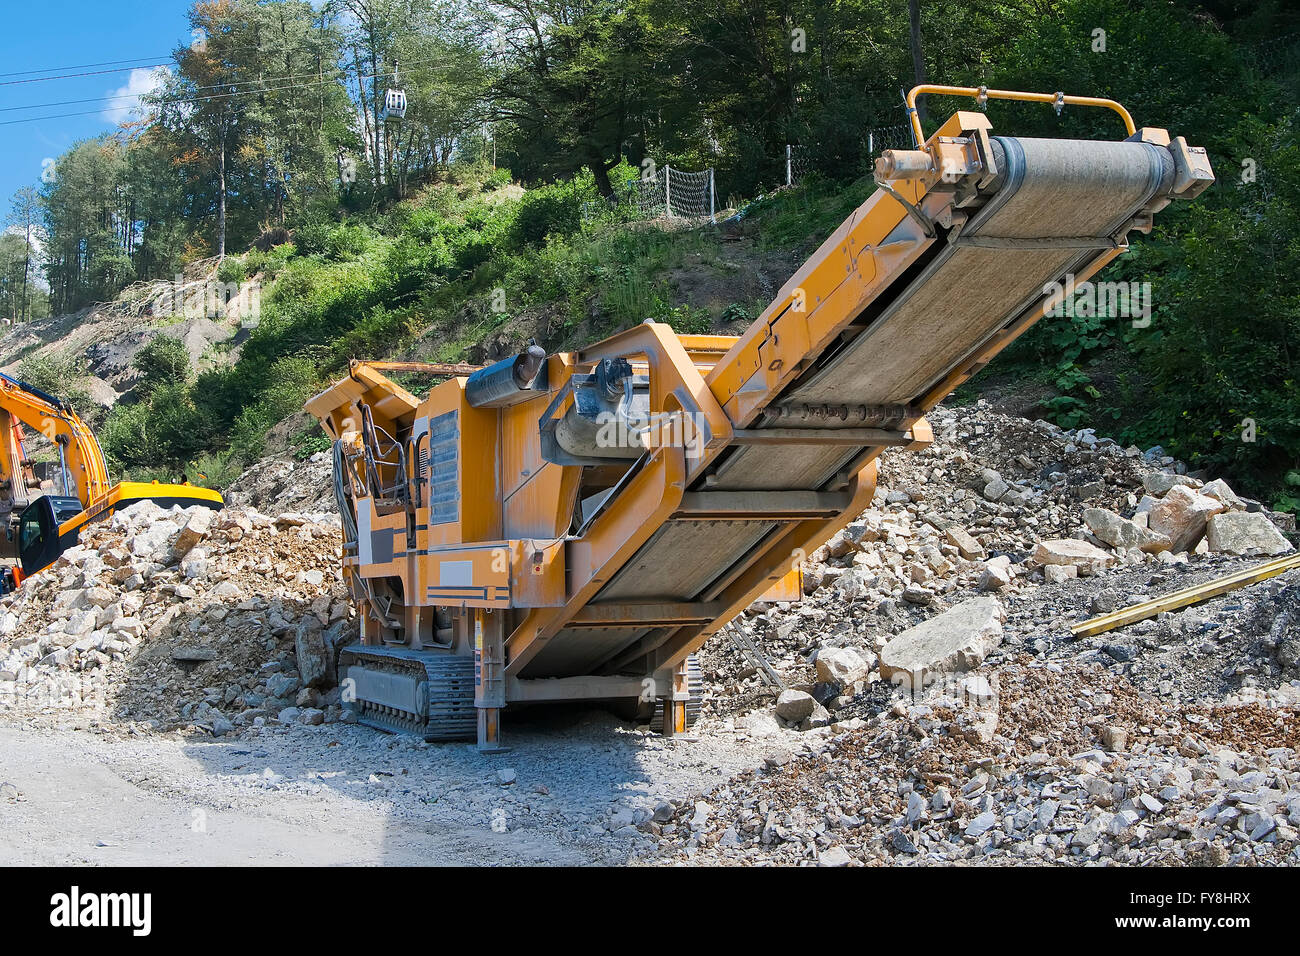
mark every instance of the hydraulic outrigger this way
{"type": "Point", "coordinates": [575, 526]}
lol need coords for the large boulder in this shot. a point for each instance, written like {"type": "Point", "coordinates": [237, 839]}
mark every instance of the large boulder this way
{"type": "Point", "coordinates": [1085, 558]}
{"type": "Point", "coordinates": [957, 640]}
{"type": "Point", "coordinates": [1222, 491]}
{"type": "Point", "coordinates": [1181, 516]}
{"type": "Point", "coordinates": [1123, 534]}
{"type": "Point", "coordinates": [841, 666]}
{"type": "Point", "coordinates": [967, 546]}
{"type": "Point", "coordinates": [1159, 483]}
{"type": "Point", "coordinates": [195, 530]}
{"type": "Point", "coordinates": [795, 706]}
{"type": "Point", "coordinates": [1241, 532]}
{"type": "Point", "coordinates": [315, 651]}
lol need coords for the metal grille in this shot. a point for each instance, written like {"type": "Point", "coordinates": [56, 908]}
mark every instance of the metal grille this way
{"type": "Point", "coordinates": [444, 475]}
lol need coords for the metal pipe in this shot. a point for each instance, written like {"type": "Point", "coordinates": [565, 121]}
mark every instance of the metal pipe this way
{"type": "Point", "coordinates": [982, 93]}
{"type": "Point", "coordinates": [903, 164]}
{"type": "Point", "coordinates": [506, 382]}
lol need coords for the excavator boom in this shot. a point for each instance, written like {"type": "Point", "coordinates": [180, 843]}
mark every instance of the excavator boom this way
{"type": "Point", "coordinates": [575, 526]}
{"type": "Point", "coordinates": [42, 516]}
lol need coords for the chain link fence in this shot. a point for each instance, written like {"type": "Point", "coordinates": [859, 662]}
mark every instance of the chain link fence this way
{"type": "Point", "coordinates": [666, 194]}
{"type": "Point", "coordinates": [801, 159]}
{"type": "Point", "coordinates": [881, 138]}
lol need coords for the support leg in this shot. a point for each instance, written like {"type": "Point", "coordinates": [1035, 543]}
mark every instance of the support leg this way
{"type": "Point", "coordinates": [675, 704]}
{"type": "Point", "coordinates": [489, 677]}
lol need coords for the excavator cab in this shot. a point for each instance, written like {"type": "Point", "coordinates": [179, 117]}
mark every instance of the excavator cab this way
{"type": "Point", "coordinates": [39, 541]}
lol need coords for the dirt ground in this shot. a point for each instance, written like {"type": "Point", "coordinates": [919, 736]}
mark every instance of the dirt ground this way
{"type": "Point", "coordinates": [346, 795]}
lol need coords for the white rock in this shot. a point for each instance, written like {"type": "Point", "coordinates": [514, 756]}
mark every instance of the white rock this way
{"type": "Point", "coordinates": [994, 578]}
{"type": "Point", "coordinates": [1124, 534]}
{"type": "Point", "coordinates": [1087, 559]}
{"type": "Point", "coordinates": [794, 705]}
{"type": "Point", "coordinates": [834, 856]}
{"type": "Point", "coordinates": [1220, 490]}
{"type": "Point", "coordinates": [1057, 573]}
{"type": "Point", "coordinates": [1181, 516]}
{"type": "Point", "coordinates": [841, 666]}
{"type": "Point", "coordinates": [957, 640]}
{"type": "Point", "coordinates": [1241, 532]}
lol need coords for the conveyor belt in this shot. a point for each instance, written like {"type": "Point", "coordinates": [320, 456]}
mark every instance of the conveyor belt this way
{"type": "Point", "coordinates": [1053, 207]}
{"type": "Point", "coordinates": [1050, 189]}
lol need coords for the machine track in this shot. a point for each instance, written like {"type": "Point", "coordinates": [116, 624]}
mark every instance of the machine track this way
{"type": "Point", "coordinates": [402, 691]}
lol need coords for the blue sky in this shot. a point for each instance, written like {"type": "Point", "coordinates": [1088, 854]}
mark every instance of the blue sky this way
{"type": "Point", "coordinates": [39, 34]}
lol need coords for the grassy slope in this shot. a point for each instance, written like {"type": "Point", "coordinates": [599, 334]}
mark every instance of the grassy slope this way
{"type": "Point", "coordinates": [468, 271]}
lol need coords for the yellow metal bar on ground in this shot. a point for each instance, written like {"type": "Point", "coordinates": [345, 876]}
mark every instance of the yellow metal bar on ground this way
{"type": "Point", "coordinates": [1192, 595]}
{"type": "Point", "coordinates": [983, 92]}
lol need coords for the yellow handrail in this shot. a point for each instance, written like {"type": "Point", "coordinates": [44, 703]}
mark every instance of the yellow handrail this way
{"type": "Point", "coordinates": [983, 93]}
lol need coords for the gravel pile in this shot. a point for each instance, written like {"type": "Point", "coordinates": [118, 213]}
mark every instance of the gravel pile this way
{"type": "Point", "coordinates": [926, 702]}
{"type": "Point", "coordinates": [181, 619]}
{"type": "Point", "coordinates": [1080, 767]}
{"type": "Point", "coordinates": [275, 485]}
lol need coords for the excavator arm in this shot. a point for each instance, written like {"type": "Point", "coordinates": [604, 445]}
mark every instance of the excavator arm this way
{"type": "Point", "coordinates": [82, 473]}
{"type": "Point", "coordinates": [576, 526]}
{"type": "Point", "coordinates": [43, 515]}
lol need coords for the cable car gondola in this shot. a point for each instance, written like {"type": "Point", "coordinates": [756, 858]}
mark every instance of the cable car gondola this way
{"type": "Point", "coordinates": [395, 101]}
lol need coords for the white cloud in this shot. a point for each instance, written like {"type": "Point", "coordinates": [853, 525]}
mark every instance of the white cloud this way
{"type": "Point", "coordinates": [125, 104]}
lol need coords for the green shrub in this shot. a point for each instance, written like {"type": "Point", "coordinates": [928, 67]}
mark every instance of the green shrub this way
{"type": "Point", "coordinates": [165, 430]}
{"type": "Point", "coordinates": [553, 210]}
{"type": "Point", "coordinates": [232, 269]}
{"type": "Point", "coordinates": [349, 241]}
{"type": "Point", "coordinates": [163, 361]}
{"type": "Point", "coordinates": [62, 376]}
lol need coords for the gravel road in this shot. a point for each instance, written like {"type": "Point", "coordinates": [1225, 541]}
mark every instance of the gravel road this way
{"type": "Point", "coordinates": [344, 795]}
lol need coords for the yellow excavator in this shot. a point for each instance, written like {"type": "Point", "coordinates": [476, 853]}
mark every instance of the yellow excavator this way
{"type": "Point", "coordinates": [575, 526]}
{"type": "Point", "coordinates": [44, 505]}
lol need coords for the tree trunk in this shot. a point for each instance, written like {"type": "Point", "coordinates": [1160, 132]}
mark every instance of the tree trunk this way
{"type": "Point", "coordinates": [27, 262]}
{"type": "Point", "coordinates": [221, 200]}
{"type": "Point", "coordinates": [601, 175]}
{"type": "Point", "coordinates": [918, 57]}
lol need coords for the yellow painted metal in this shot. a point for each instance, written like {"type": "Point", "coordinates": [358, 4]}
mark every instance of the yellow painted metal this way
{"type": "Point", "coordinates": [788, 589]}
{"type": "Point", "coordinates": [21, 405]}
{"type": "Point", "coordinates": [126, 493]}
{"type": "Point", "coordinates": [975, 92]}
{"type": "Point", "coordinates": [609, 570]}
{"type": "Point", "coordinates": [783, 555]}
{"type": "Point", "coordinates": [652, 495]}
{"type": "Point", "coordinates": [1188, 596]}
{"type": "Point", "coordinates": [673, 377]}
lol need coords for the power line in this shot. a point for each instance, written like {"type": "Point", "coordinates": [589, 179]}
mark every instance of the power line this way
{"type": "Point", "coordinates": [340, 72]}
{"type": "Point", "coordinates": [214, 96]}
{"type": "Point", "coordinates": [79, 66]}
{"type": "Point", "coordinates": [213, 86]}
{"type": "Point", "coordinates": [73, 76]}
{"type": "Point", "coordinates": [149, 66]}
